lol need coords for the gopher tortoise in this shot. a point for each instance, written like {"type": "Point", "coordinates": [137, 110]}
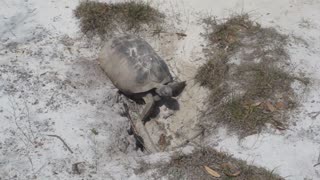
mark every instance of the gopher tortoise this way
{"type": "Point", "coordinates": [136, 69]}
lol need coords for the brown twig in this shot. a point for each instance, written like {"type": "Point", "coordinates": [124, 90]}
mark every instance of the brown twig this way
{"type": "Point", "coordinates": [187, 140]}
{"type": "Point", "coordinates": [15, 117]}
{"type": "Point", "coordinates": [64, 143]}
{"type": "Point", "coordinates": [316, 164]}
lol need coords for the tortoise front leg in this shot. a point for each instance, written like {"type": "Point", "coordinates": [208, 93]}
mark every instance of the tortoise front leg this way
{"type": "Point", "coordinates": [148, 99]}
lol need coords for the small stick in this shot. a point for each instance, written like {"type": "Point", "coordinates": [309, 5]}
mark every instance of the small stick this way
{"type": "Point", "coordinates": [181, 34]}
{"type": "Point", "coordinates": [129, 117]}
{"type": "Point", "coordinates": [41, 168]}
{"type": "Point", "coordinates": [64, 143]}
{"type": "Point", "coordinates": [185, 142]}
{"type": "Point", "coordinates": [318, 161]}
{"type": "Point", "coordinates": [314, 115]}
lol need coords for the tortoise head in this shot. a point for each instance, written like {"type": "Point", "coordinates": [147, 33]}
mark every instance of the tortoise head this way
{"type": "Point", "coordinates": [171, 89]}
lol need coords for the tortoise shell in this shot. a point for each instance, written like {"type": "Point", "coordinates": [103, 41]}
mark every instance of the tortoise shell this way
{"type": "Point", "coordinates": [132, 65]}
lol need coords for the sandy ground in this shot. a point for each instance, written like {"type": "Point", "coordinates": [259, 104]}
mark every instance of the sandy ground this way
{"type": "Point", "coordinates": [51, 84]}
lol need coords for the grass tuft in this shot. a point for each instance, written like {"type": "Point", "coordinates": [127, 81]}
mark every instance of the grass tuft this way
{"type": "Point", "coordinates": [97, 18]}
{"type": "Point", "coordinates": [191, 167]}
{"type": "Point", "coordinates": [214, 71]}
{"type": "Point", "coordinates": [243, 117]}
{"type": "Point", "coordinates": [228, 35]}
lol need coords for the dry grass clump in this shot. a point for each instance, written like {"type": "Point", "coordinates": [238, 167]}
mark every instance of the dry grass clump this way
{"type": "Point", "coordinates": [228, 35]}
{"type": "Point", "coordinates": [246, 75]}
{"type": "Point", "coordinates": [264, 79]}
{"type": "Point", "coordinates": [243, 117]}
{"type": "Point", "coordinates": [212, 76]}
{"type": "Point", "coordinates": [214, 71]}
{"type": "Point", "coordinates": [97, 18]}
{"type": "Point", "coordinates": [192, 167]}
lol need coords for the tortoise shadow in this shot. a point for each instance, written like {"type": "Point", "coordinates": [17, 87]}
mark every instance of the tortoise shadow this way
{"type": "Point", "coordinates": [169, 103]}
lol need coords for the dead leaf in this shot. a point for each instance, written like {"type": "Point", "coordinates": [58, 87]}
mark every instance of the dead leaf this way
{"type": "Point", "coordinates": [162, 141]}
{"type": "Point", "coordinates": [212, 172]}
{"type": "Point", "coordinates": [256, 104]}
{"type": "Point", "coordinates": [234, 174]}
{"type": "Point", "coordinates": [76, 168]}
{"type": "Point", "coordinates": [246, 107]}
{"type": "Point", "coordinates": [281, 128]}
{"type": "Point", "coordinates": [279, 125]}
{"type": "Point", "coordinates": [230, 170]}
{"type": "Point", "coordinates": [280, 105]}
{"type": "Point", "coordinates": [231, 38]}
{"type": "Point", "coordinates": [270, 107]}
